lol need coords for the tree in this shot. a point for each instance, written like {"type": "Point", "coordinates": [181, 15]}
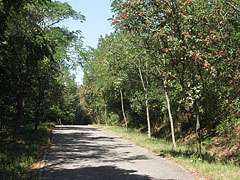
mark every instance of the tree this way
{"type": "Point", "coordinates": [185, 37]}
{"type": "Point", "coordinates": [32, 51]}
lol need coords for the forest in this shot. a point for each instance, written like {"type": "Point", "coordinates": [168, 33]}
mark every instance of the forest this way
{"type": "Point", "coordinates": [171, 69]}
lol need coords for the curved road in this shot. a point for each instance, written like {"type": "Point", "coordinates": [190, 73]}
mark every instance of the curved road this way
{"type": "Point", "coordinates": [88, 153]}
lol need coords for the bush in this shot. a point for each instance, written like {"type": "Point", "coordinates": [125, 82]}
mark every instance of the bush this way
{"type": "Point", "coordinates": [114, 118]}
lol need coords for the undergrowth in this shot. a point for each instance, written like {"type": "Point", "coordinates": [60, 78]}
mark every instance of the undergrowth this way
{"type": "Point", "coordinates": [17, 156]}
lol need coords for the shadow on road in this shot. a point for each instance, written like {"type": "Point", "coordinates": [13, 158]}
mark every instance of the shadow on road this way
{"type": "Point", "coordinates": [80, 144]}
{"type": "Point", "coordinates": [84, 153]}
{"type": "Point", "coordinates": [98, 173]}
{"type": "Point", "coordinates": [95, 173]}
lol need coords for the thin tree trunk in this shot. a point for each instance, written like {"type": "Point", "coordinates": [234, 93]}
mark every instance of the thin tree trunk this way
{"type": "Point", "coordinates": [60, 121]}
{"type": "Point", "coordinates": [38, 104]}
{"type": "Point", "coordinates": [94, 118]}
{"type": "Point", "coordinates": [148, 116]}
{"type": "Point", "coordinates": [146, 101]}
{"type": "Point", "coordinates": [198, 129]}
{"type": "Point", "coordinates": [98, 117]}
{"type": "Point", "coordinates": [169, 110]}
{"type": "Point", "coordinates": [169, 113]}
{"type": "Point", "coordinates": [105, 113]}
{"type": "Point", "coordinates": [123, 111]}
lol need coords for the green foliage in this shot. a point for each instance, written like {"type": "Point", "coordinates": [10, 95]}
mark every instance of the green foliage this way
{"type": "Point", "coordinates": [17, 156]}
{"type": "Point", "coordinates": [57, 11]}
{"type": "Point", "coordinates": [137, 101]}
{"type": "Point", "coordinates": [36, 58]}
{"type": "Point", "coordinates": [226, 126]}
{"type": "Point", "coordinates": [114, 118]}
{"type": "Point", "coordinates": [188, 50]}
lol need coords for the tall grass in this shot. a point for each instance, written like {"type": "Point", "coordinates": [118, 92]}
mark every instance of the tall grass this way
{"type": "Point", "coordinates": [206, 167]}
{"type": "Point", "coordinates": [17, 156]}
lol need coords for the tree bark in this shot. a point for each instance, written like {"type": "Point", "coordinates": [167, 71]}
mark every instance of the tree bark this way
{"type": "Point", "coordinates": [169, 109]}
{"type": "Point", "coordinates": [148, 116]}
{"type": "Point", "coordinates": [146, 101]}
{"type": "Point", "coordinates": [169, 112]}
{"type": "Point", "coordinates": [105, 113]}
{"type": "Point", "coordinates": [123, 111]}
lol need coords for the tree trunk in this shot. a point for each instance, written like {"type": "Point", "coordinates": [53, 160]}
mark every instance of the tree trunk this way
{"type": "Point", "coordinates": [198, 129]}
{"type": "Point", "coordinates": [94, 118]}
{"type": "Point", "coordinates": [148, 116]}
{"type": "Point", "coordinates": [98, 116]}
{"type": "Point", "coordinates": [146, 102]}
{"type": "Point", "coordinates": [38, 104]}
{"type": "Point", "coordinates": [169, 108]}
{"type": "Point", "coordinates": [169, 113]}
{"type": "Point", "coordinates": [105, 112]}
{"type": "Point", "coordinates": [60, 121]}
{"type": "Point", "coordinates": [123, 111]}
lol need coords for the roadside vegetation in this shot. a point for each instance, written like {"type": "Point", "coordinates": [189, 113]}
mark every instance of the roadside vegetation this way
{"type": "Point", "coordinates": [171, 71]}
{"type": "Point", "coordinates": [18, 156]}
{"type": "Point", "coordinates": [37, 86]}
{"type": "Point", "coordinates": [207, 167]}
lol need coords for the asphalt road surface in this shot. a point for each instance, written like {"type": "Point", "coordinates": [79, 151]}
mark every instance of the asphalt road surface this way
{"type": "Point", "coordinates": [88, 153]}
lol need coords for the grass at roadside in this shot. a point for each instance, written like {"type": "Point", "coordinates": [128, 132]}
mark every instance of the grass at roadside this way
{"type": "Point", "coordinates": [207, 167]}
{"type": "Point", "coordinates": [18, 156]}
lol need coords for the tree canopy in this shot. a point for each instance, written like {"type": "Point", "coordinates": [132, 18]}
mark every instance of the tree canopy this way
{"type": "Point", "coordinates": [172, 60]}
{"type": "Point", "coordinates": [36, 58]}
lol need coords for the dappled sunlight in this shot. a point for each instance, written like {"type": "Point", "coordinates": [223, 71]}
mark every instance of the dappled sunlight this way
{"type": "Point", "coordinates": [85, 151]}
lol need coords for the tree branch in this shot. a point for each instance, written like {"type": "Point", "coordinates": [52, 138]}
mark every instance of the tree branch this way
{"type": "Point", "coordinates": [234, 7]}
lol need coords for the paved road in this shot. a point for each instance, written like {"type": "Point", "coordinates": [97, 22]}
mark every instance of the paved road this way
{"type": "Point", "coordinates": [88, 153]}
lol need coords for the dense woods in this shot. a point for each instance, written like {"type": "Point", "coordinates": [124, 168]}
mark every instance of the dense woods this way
{"type": "Point", "coordinates": [171, 68]}
{"type": "Point", "coordinates": [36, 59]}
